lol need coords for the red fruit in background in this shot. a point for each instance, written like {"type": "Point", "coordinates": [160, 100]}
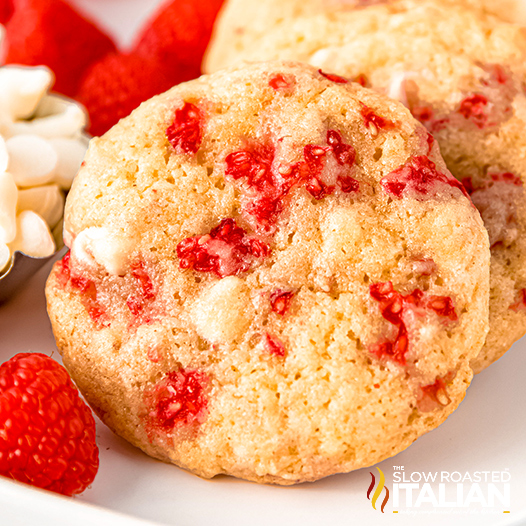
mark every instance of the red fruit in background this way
{"type": "Point", "coordinates": [6, 10]}
{"type": "Point", "coordinates": [117, 84]}
{"type": "Point", "coordinates": [47, 432]}
{"type": "Point", "coordinates": [52, 33]}
{"type": "Point", "coordinates": [178, 33]}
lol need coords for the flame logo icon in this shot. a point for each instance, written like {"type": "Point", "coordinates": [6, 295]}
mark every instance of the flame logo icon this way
{"type": "Point", "coordinates": [378, 491]}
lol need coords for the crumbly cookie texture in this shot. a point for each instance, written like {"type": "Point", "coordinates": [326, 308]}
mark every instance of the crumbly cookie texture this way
{"type": "Point", "coordinates": [272, 275]}
{"type": "Point", "coordinates": [462, 76]}
{"type": "Point", "coordinates": [513, 11]}
{"type": "Point", "coordinates": [242, 23]}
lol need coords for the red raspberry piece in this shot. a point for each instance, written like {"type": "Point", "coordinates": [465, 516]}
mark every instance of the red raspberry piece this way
{"type": "Point", "coordinates": [225, 251]}
{"type": "Point", "coordinates": [373, 121]}
{"type": "Point", "coordinates": [263, 200]}
{"type": "Point", "coordinates": [422, 113]}
{"type": "Point", "coordinates": [254, 165]}
{"type": "Point", "coordinates": [185, 133]}
{"type": "Point", "coordinates": [430, 141]}
{"type": "Point", "coordinates": [435, 395]}
{"type": "Point", "coordinates": [280, 301]}
{"type": "Point", "coordinates": [314, 164]}
{"type": "Point", "coordinates": [114, 86]}
{"type": "Point", "coordinates": [268, 186]}
{"type": "Point", "coordinates": [282, 81]}
{"type": "Point", "coordinates": [344, 153]}
{"type": "Point", "coordinates": [474, 108]}
{"type": "Point", "coordinates": [347, 184]}
{"type": "Point", "coordinates": [497, 73]}
{"type": "Point", "coordinates": [362, 80]}
{"type": "Point", "coordinates": [443, 306]}
{"type": "Point", "coordinates": [47, 433]}
{"type": "Point", "coordinates": [467, 183]}
{"type": "Point", "coordinates": [265, 210]}
{"type": "Point", "coordinates": [318, 189]}
{"type": "Point", "coordinates": [507, 177]}
{"type": "Point", "coordinates": [392, 306]}
{"type": "Point", "coordinates": [179, 399]}
{"type": "Point", "coordinates": [436, 125]}
{"type": "Point", "coordinates": [420, 176]}
{"type": "Point", "coordinates": [6, 11]}
{"type": "Point", "coordinates": [52, 33]}
{"type": "Point", "coordinates": [178, 33]}
{"type": "Point", "coordinates": [86, 288]}
{"type": "Point", "coordinates": [137, 302]}
{"type": "Point", "coordinates": [274, 345]}
{"type": "Point", "coordinates": [333, 78]}
{"type": "Point", "coordinates": [520, 303]}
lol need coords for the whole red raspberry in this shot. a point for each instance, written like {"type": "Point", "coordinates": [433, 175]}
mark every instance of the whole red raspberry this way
{"type": "Point", "coordinates": [177, 35]}
{"type": "Point", "coordinates": [47, 432]}
{"type": "Point", "coordinates": [114, 86]}
{"type": "Point", "coordinates": [52, 33]}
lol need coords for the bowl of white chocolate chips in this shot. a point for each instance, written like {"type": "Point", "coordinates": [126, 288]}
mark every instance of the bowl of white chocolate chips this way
{"type": "Point", "coordinates": [42, 144]}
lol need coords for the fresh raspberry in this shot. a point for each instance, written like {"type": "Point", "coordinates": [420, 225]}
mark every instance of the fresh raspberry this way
{"type": "Point", "coordinates": [113, 87]}
{"type": "Point", "coordinates": [6, 10]}
{"type": "Point", "coordinates": [51, 33]}
{"type": "Point", "coordinates": [178, 33]}
{"type": "Point", "coordinates": [47, 433]}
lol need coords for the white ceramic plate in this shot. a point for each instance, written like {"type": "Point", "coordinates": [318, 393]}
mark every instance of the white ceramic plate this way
{"type": "Point", "coordinates": [487, 433]}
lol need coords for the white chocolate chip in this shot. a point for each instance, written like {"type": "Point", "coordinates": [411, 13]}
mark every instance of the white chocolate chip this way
{"type": "Point", "coordinates": [8, 200]}
{"type": "Point", "coordinates": [32, 160]}
{"type": "Point", "coordinates": [55, 117]}
{"type": "Point", "coordinates": [5, 256]}
{"type": "Point", "coordinates": [322, 57]}
{"type": "Point", "coordinates": [32, 236]}
{"type": "Point", "coordinates": [21, 89]}
{"type": "Point", "coordinates": [70, 153]}
{"type": "Point", "coordinates": [47, 201]}
{"type": "Point", "coordinates": [29, 161]}
{"type": "Point", "coordinates": [223, 312]}
{"type": "Point", "coordinates": [96, 246]}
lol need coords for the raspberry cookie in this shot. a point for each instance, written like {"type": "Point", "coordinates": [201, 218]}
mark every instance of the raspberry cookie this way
{"type": "Point", "coordinates": [463, 77]}
{"type": "Point", "coordinates": [272, 275]}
